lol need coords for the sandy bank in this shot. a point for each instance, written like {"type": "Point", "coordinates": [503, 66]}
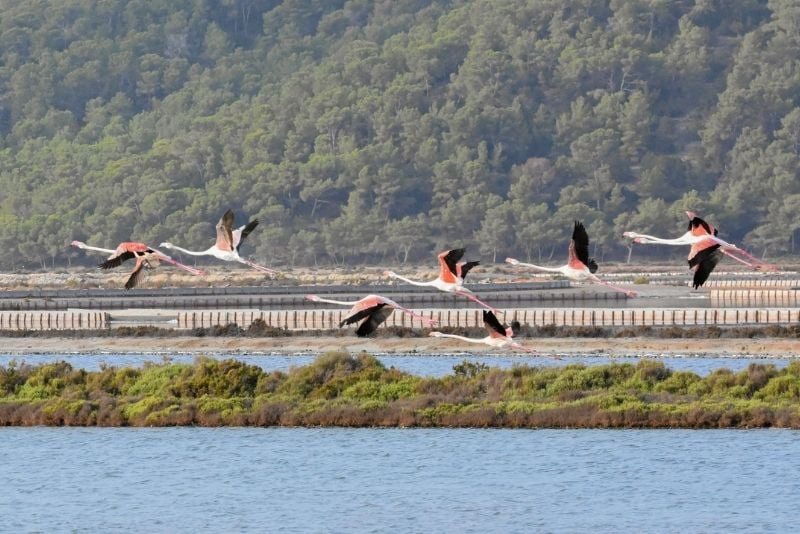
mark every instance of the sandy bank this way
{"type": "Point", "coordinates": [774, 347]}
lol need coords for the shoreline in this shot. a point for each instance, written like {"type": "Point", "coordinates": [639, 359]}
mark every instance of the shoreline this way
{"type": "Point", "coordinates": [788, 348]}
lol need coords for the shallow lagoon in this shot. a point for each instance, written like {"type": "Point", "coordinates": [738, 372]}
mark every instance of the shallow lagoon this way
{"type": "Point", "coordinates": [409, 480]}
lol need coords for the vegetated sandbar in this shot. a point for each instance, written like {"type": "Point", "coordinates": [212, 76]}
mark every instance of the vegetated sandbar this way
{"type": "Point", "coordinates": [341, 389]}
{"type": "Point", "coordinates": [630, 346]}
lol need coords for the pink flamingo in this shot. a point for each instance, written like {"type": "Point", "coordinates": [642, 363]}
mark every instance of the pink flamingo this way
{"type": "Point", "coordinates": [706, 249]}
{"type": "Point", "coordinates": [579, 266]}
{"type": "Point", "coordinates": [145, 257]}
{"type": "Point", "coordinates": [499, 335]}
{"type": "Point", "coordinates": [451, 276]}
{"type": "Point", "coordinates": [372, 310]}
{"type": "Point", "coordinates": [228, 242]}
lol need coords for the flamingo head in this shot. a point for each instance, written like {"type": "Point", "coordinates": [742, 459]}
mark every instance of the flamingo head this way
{"type": "Point", "coordinates": [435, 334]}
{"type": "Point", "coordinates": [629, 234]}
{"type": "Point", "coordinates": [512, 261]}
{"type": "Point", "coordinates": [389, 273]}
{"type": "Point", "coordinates": [79, 244]}
{"type": "Point", "coordinates": [313, 298]}
{"type": "Point", "coordinates": [165, 245]}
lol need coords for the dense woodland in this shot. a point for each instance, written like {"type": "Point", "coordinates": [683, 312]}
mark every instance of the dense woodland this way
{"type": "Point", "coordinates": [383, 131]}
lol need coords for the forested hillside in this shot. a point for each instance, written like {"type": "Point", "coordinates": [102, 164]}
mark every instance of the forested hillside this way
{"type": "Point", "coordinates": [383, 131]}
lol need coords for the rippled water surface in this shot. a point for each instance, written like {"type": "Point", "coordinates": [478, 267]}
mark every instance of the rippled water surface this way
{"type": "Point", "coordinates": [417, 364]}
{"type": "Point", "coordinates": [411, 480]}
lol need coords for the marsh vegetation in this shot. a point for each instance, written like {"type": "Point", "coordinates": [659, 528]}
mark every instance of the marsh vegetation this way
{"type": "Point", "coordinates": [341, 389]}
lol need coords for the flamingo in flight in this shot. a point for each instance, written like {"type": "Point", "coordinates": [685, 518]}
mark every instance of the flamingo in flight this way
{"type": "Point", "coordinates": [145, 257]}
{"type": "Point", "coordinates": [229, 239]}
{"type": "Point", "coordinates": [499, 335]}
{"type": "Point", "coordinates": [451, 276]}
{"type": "Point", "coordinates": [579, 266]}
{"type": "Point", "coordinates": [371, 311]}
{"type": "Point", "coordinates": [706, 249]}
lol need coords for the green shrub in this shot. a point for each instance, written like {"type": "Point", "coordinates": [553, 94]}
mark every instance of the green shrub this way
{"type": "Point", "coordinates": [786, 387]}
{"type": "Point", "coordinates": [154, 379]}
{"type": "Point", "coordinates": [678, 382]}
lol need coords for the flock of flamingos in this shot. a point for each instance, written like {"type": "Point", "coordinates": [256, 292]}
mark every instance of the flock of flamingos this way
{"type": "Point", "coordinates": [706, 251]}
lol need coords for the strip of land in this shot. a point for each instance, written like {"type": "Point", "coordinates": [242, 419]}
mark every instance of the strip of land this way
{"type": "Point", "coordinates": [357, 390]}
{"type": "Point", "coordinates": [729, 347]}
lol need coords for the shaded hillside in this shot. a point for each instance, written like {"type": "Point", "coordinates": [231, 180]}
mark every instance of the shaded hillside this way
{"type": "Point", "coordinates": [383, 131]}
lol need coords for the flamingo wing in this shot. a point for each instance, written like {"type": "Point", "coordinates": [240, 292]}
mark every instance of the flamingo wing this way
{"type": "Point", "coordinates": [448, 268]}
{"type": "Point", "coordinates": [359, 312]}
{"type": "Point", "coordinates": [579, 246]}
{"type": "Point", "coordinates": [117, 260]}
{"type": "Point", "coordinates": [135, 277]}
{"type": "Point", "coordinates": [225, 231]}
{"type": "Point", "coordinates": [492, 324]}
{"type": "Point", "coordinates": [464, 268]}
{"type": "Point", "coordinates": [240, 233]}
{"type": "Point", "coordinates": [374, 320]}
{"type": "Point", "coordinates": [702, 262]}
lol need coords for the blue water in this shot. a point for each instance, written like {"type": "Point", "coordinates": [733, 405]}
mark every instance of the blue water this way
{"type": "Point", "coordinates": [398, 480]}
{"type": "Point", "coordinates": [417, 364]}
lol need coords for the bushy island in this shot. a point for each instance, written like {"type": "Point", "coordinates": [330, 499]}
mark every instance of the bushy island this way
{"type": "Point", "coordinates": [340, 389]}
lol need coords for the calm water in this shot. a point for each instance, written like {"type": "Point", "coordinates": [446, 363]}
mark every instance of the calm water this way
{"type": "Point", "coordinates": [418, 364]}
{"type": "Point", "coordinates": [412, 480]}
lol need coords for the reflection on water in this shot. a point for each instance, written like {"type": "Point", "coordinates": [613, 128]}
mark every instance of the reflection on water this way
{"type": "Point", "coordinates": [397, 480]}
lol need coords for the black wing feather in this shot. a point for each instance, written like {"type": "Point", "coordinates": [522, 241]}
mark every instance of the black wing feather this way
{"type": "Point", "coordinates": [373, 321]}
{"type": "Point", "coordinates": [249, 227]}
{"type": "Point", "coordinates": [135, 277]}
{"type": "Point", "coordinates": [452, 257]}
{"type": "Point", "coordinates": [466, 267]}
{"type": "Point", "coordinates": [116, 261]}
{"type": "Point", "coordinates": [581, 240]}
{"type": "Point", "coordinates": [705, 261]}
{"type": "Point", "coordinates": [491, 322]}
{"type": "Point", "coordinates": [361, 314]}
